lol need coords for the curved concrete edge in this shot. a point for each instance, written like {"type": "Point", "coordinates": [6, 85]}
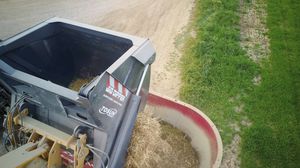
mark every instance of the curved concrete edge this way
{"type": "Point", "coordinates": [195, 117]}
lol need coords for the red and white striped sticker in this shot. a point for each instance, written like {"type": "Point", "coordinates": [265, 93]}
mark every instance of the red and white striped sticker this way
{"type": "Point", "coordinates": [116, 89]}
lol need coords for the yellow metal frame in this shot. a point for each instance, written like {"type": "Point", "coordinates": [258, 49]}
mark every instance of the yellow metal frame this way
{"type": "Point", "coordinates": [44, 142]}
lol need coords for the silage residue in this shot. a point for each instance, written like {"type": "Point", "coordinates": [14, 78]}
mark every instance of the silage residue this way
{"type": "Point", "coordinates": [157, 144]}
{"type": "Point", "coordinates": [78, 83]}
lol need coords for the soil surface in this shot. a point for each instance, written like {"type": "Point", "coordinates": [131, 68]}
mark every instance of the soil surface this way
{"type": "Point", "coordinates": [159, 20]}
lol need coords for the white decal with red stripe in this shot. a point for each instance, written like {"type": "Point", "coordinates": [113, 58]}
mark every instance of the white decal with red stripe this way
{"type": "Point", "coordinates": [116, 89]}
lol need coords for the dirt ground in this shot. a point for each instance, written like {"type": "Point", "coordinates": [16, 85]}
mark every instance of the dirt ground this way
{"type": "Point", "coordinates": [159, 20]}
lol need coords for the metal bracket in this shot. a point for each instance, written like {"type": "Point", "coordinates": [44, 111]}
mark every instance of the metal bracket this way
{"type": "Point", "coordinates": [81, 151]}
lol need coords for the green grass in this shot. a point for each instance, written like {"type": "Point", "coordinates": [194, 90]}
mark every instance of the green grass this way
{"type": "Point", "coordinates": [216, 72]}
{"type": "Point", "coordinates": [217, 77]}
{"type": "Point", "coordinates": [274, 106]}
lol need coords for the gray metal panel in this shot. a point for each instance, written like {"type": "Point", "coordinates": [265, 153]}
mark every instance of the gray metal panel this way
{"type": "Point", "coordinates": [145, 53]}
{"type": "Point", "coordinates": [40, 83]}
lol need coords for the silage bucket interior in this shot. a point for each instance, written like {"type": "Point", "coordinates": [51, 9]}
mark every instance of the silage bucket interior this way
{"type": "Point", "coordinates": [61, 53]}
